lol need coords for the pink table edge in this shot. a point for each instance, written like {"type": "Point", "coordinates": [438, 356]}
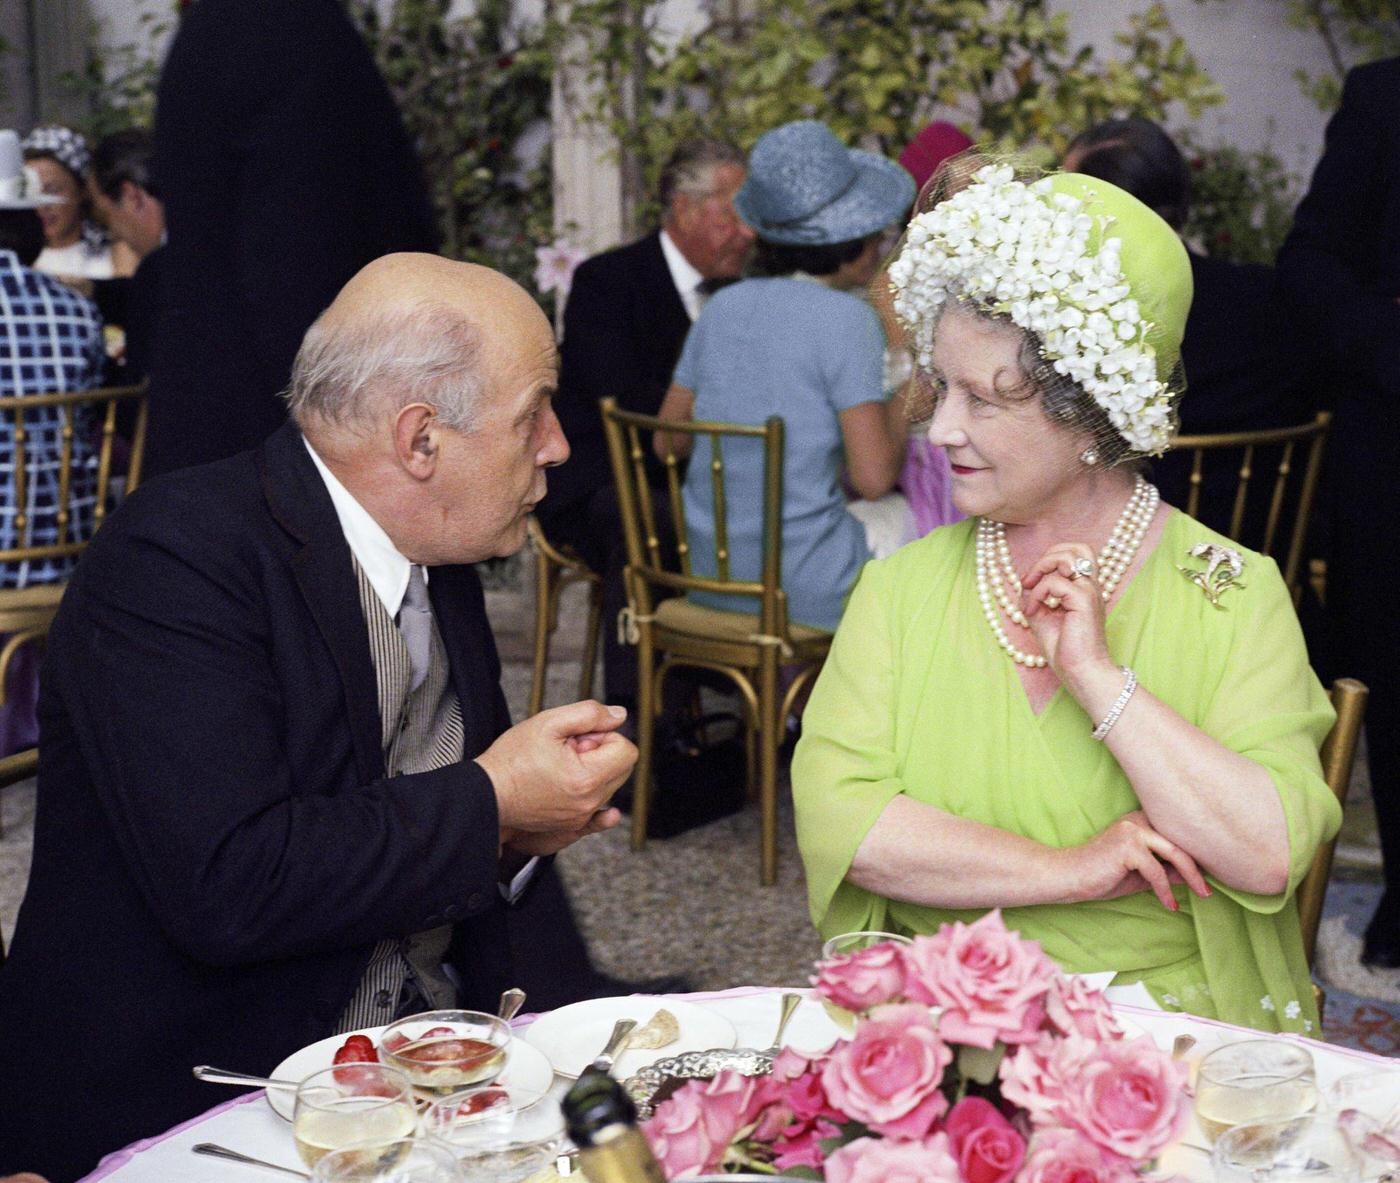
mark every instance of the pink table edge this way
{"type": "Point", "coordinates": [119, 1158]}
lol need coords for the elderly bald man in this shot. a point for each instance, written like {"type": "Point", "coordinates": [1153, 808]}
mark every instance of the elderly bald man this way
{"type": "Point", "coordinates": [279, 794]}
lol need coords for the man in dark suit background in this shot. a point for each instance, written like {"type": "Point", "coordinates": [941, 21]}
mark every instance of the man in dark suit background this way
{"type": "Point", "coordinates": [279, 796]}
{"type": "Point", "coordinates": [1340, 267]}
{"type": "Point", "coordinates": [628, 313]}
{"type": "Point", "coordinates": [284, 168]}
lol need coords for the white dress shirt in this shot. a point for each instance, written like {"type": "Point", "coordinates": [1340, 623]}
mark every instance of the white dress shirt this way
{"type": "Point", "coordinates": [684, 276]}
{"type": "Point", "coordinates": [387, 571]}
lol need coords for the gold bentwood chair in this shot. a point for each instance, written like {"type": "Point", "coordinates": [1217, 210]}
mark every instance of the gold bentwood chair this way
{"type": "Point", "coordinates": [27, 612]}
{"type": "Point", "coordinates": [1338, 754]}
{"type": "Point", "coordinates": [746, 647]}
{"type": "Point", "coordinates": [555, 569]}
{"type": "Point", "coordinates": [1294, 486]}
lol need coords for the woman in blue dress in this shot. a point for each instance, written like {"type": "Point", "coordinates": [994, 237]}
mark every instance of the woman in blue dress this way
{"type": "Point", "coordinates": [798, 343]}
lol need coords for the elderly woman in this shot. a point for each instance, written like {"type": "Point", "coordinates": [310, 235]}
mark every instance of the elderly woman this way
{"type": "Point", "coordinates": [74, 246]}
{"type": "Point", "coordinates": [797, 342]}
{"type": "Point", "coordinates": [1079, 706]}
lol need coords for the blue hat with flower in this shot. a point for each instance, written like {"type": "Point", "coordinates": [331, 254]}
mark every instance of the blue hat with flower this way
{"type": "Point", "coordinates": [805, 188]}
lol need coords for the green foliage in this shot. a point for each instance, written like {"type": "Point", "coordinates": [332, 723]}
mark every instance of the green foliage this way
{"type": "Point", "coordinates": [1241, 202]}
{"type": "Point", "coordinates": [469, 88]}
{"type": "Point", "coordinates": [117, 85]}
{"type": "Point", "coordinates": [877, 71]}
{"type": "Point", "coordinates": [1353, 31]}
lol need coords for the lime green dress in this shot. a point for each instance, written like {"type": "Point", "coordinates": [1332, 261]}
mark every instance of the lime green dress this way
{"type": "Point", "coordinates": [918, 698]}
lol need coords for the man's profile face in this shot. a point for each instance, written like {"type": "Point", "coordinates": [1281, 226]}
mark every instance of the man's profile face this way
{"type": "Point", "coordinates": [491, 477]}
{"type": "Point", "coordinates": [708, 230]}
{"type": "Point", "coordinates": [134, 218]}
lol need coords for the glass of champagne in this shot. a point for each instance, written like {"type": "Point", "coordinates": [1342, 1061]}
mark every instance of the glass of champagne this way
{"type": "Point", "coordinates": [350, 1104]}
{"type": "Point", "coordinates": [407, 1160]}
{"type": "Point", "coordinates": [843, 945]}
{"type": "Point", "coordinates": [500, 1133]}
{"type": "Point", "coordinates": [1257, 1080]}
{"type": "Point", "coordinates": [1307, 1149]}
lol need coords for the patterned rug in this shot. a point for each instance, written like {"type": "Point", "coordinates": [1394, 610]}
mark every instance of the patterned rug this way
{"type": "Point", "coordinates": [1363, 1005]}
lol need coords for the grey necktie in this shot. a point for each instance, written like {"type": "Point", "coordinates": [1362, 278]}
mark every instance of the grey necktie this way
{"type": "Point", "coordinates": [416, 625]}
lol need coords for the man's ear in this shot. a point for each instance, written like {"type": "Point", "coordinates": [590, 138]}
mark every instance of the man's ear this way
{"type": "Point", "coordinates": [416, 440]}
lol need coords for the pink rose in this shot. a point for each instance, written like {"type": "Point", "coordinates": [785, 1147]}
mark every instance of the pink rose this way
{"type": "Point", "coordinates": [1036, 1075]}
{"type": "Point", "coordinates": [1074, 1006]}
{"type": "Point", "coordinates": [868, 977]}
{"type": "Point", "coordinates": [888, 1075]}
{"type": "Point", "coordinates": [990, 983]}
{"type": "Point", "coordinates": [988, 1150]}
{"type": "Point", "coordinates": [1067, 1156]}
{"type": "Point", "coordinates": [1129, 1098]}
{"type": "Point", "coordinates": [800, 1145]}
{"type": "Point", "coordinates": [880, 1160]}
{"type": "Point", "coordinates": [693, 1128]}
{"type": "Point", "coordinates": [677, 1135]}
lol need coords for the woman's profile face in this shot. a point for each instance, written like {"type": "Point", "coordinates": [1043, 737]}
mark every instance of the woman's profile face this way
{"type": "Point", "coordinates": [1010, 461]}
{"type": "Point", "coordinates": [62, 223]}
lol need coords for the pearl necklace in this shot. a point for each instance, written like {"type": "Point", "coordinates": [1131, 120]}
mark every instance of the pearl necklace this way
{"type": "Point", "coordinates": [997, 577]}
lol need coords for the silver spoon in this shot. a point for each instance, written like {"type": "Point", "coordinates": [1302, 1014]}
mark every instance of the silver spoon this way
{"type": "Point", "coordinates": [511, 1002]}
{"type": "Point", "coordinates": [789, 1007]}
{"type": "Point", "coordinates": [225, 1076]}
{"type": "Point", "coordinates": [215, 1151]}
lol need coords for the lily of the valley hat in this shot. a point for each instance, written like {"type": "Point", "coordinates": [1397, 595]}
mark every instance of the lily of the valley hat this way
{"type": "Point", "coordinates": [805, 188]}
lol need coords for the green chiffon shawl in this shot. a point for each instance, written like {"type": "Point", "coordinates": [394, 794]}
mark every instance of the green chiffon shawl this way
{"type": "Point", "coordinates": [917, 698]}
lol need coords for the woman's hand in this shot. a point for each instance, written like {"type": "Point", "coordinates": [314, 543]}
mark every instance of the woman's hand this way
{"type": "Point", "coordinates": [1130, 856]}
{"type": "Point", "coordinates": [1066, 614]}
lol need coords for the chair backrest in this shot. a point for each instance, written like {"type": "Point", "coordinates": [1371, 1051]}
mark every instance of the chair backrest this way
{"type": "Point", "coordinates": [629, 438]}
{"type": "Point", "coordinates": [1293, 487]}
{"type": "Point", "coordinates": [1338, 754]}
{"type": "Point", "coordinates": [66, 433]}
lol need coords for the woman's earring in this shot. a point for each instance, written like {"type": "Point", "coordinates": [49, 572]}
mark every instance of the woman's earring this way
{"type": "Point", "coordinates": [1089, 457]}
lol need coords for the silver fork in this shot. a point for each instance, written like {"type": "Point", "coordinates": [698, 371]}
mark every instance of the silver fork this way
{"type": "Point", "coordinates": [213, 1150]}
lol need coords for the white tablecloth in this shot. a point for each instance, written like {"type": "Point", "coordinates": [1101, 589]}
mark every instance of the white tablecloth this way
{"type": "Point", "coordinates": [248, 1125]}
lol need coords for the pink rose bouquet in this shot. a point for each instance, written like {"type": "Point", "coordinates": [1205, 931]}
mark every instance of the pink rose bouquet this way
{"type": "Point", "coordinates": [973, 1060]}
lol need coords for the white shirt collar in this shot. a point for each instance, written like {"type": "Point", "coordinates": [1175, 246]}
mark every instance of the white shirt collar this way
{"type": "Point", "coordinates": [385, 568]}
{"type": "Point", "coordinates": [683, 274]}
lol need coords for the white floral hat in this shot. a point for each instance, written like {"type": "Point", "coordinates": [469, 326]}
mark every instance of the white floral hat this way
{"type": "Point", "coordinates": [1102, 282]}
{"type": "Point", "coordinates": [20, 187]}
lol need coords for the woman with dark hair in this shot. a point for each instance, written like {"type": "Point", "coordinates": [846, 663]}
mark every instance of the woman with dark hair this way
{"type": "Point", "coordinates": [795, 342]}
{"type": "Point", "coordinates": [74, 244]}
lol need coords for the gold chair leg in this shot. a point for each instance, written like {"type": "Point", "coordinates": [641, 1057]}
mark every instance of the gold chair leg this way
{"type": "Point", "coordinates": [768, 764]}
{"type": "Point", "coordinates": [646, 723]}
{"type": "Point", "coordinates": [751, 730]}
{"type": "Point", "coordinates": [544, 592]}
{"type": "Point", "coordinates": [590, 642]}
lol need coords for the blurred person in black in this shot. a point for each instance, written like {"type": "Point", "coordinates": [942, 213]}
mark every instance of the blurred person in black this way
{"type": "Point", "coordinates": [125, 197]}
{"type": "Point", "coordinates": [1247, 365]}
{"type": "Point", "coordinates": [284, 168]}
{"type": "Point", "coordinates": [1340, 268]}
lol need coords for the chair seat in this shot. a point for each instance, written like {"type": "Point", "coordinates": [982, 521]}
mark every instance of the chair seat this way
{"type": "Point", "coordinates": [26, 607]}
{"type": "Point", "coordinates": [715, 626]}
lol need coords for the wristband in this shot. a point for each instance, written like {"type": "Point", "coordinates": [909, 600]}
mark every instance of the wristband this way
{"type": "Point", "coordinates": [1129, 685]}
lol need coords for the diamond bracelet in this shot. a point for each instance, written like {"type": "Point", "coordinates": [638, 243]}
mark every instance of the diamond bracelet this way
{"type": "Point", "coordinates": [1129, 685]}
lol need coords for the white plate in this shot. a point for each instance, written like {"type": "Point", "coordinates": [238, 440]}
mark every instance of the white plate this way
{"type": "Point", "coordinates": [572, 1036]}
{"type": "Point", "coordinates": [525, 1067]}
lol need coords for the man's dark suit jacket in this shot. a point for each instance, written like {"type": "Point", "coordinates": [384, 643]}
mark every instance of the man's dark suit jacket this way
{"type": "Point", "coordinates": [284, 168]}
{"type": "Point", "coordinates": [217, 848]}
{"type": "Point", "coordinates": [624, 325]}
{"type": "Point", "coordinates": [1247, 367]}
{"type": "Point", "coordinates": [1340, 267]}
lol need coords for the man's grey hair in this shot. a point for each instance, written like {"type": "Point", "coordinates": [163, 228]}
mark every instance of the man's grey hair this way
{"type": "Point", "coordinates": [692, 167]}
{"type": "Point", "coordinates": [352, 372]}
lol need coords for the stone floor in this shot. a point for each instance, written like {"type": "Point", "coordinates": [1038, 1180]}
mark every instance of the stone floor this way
{"type": "Point", "coordinates": [692, 905]}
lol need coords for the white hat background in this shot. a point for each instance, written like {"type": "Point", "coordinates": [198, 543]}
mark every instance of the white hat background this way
{"type": "Point", "coordinates": [20, 187]}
